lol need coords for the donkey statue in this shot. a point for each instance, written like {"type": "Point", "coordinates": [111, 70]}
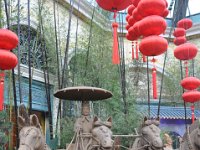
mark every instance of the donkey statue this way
{"type": "Point", "coordinates": [150, 136]}
{"type": "Point", "coordinates": [191, 139]}
{"type": "Point", "coordinates": [30, 135]}
{"type": "Point", "coordinates": [100, 137]}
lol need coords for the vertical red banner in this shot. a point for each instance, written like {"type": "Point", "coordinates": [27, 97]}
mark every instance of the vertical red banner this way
{"type": "Point", "coordinates": [2, 75]}
{"type": "Point", "coordinates": [115, 58]}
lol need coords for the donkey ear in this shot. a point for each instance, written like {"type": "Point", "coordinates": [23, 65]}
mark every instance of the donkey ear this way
{"type": "Point", "coordinates": [95, 119]}
{"type": "Point", "coordinates": [109, 119]}
{"type": "Point", "coordinates": [145, 118]}
{"type": "Point", "coordinates": [34, 121]}
{"type": "Point", "coordinates": [21, 122]}
{"type": "Point", "coordinates": [158, 118]}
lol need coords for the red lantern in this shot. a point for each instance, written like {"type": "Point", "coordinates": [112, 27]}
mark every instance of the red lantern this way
{"type": "Point", "coordinates": [153, 45]}
{"type": "Point", "coordinates": [8, 60]}
{"type": "Point", "coordinates": [185, 51]}
{"type": "Point", "coordinates": [114, 5]}
{"type": "Point", "coordinates": [191, 96]}
{"type": "Point", "coordinates": [127, 26]}
{"type": "Point", "coordinates": [8, 39]}
{"type": "Point", "coordinates": [152, 25]}
{"type": "Point", "coordinates": [179, 32]}
{"type": "Point", "coordinates": [165, 13]}
{"type": "Point", "coordinates": [136, 15]}
{"type": "Point", "coordinates": [179, 40]}
{"type": "Point", "coordinates": [190, 83]}
{"type": "Point", "coordinates": [135, 2]}
{"type": "Point", "coordinates": [151, 7]}
{"type": "Point", "coordinates": [184, 23]}
{"type": "Point", "coordinates": [130, 9]}
{"type": "Point", "coordinates": [127, 17]}
{"type": "Point", "coordinates": [131, 21]}
{"type": "Point", "coordinates": [133, 31]}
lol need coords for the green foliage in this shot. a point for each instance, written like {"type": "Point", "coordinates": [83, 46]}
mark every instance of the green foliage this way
{"type": "Point", "coordinates": [5, 127]}
{"type": "Point", "coordinates": [67, 131]}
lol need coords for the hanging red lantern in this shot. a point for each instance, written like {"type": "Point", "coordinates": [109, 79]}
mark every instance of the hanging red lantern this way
{"type": "Point", "coordinates": [180, 40]}
{"type": "Point", "coordinates": [153, 45]}
{"type": "Point", "coordinates": [190, 83]}
{"type": "Point", "coordinates": [130, 9]}
{"type": "Point", "coordinates": [135, 2]}
{"type": "Point", "coordinates": [191, 96]}
{"type": "Point", "coordinates": [114, 5]}
{"type": "Point", "coordinates": [127, 17]}
{"type": "Point", "coordinates": [152, 25]}
{"type": "Point", "coordinates": [136, 15]}
{"type": "Point", "coordinates": [8, 60]}
{"type": "Point", "coordinates": [184, 23]}
{"type": "Point", "coordinates": [151, 7]}
{"type": "Point", "coordinates": [133, 31]}
{"type": "Point", "coordinates": [185, 51]}
{"type": "Point", "coordinates": [131, 21]}
{"type": "Point", "coordinates": [179, 32]}
{"type": "Point", "coordinates": [165, 13]}
{"type": "Point", "coordinates": [127, 26]}
{"type": "Point", "coordinates": [8, 39]}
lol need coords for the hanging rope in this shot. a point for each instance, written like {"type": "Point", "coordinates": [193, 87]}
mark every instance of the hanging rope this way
{"type": "Point", "coordinates": [89, 41]}
{"type": "Point", "coordinates": [29, 60]}
{"type": "Point", "coordinates": [19, 52]}
{"type": "Point", "coordinates": [13, 80]}
{"type": "Point", "coordinates": [165, 58]}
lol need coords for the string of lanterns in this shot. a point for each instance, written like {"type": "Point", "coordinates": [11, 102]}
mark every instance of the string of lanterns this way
{"type": "Point", "coordinates": [8, 60]}
{"type": "Point", "coordinates": [148, 22]}
{"type": "Point", "coordinates": [186, 51]}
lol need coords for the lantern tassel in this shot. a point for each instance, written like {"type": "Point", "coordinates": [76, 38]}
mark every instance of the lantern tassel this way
{"type": "Point", "coordinates": [132, 50]}
{"type": "Point", "coordinates": [155, 96]}
{"type": "Point", "coordinates": [186, 69]}
{"type": "Point", "coordinates": [115, 57]}
{"type": "Point", "coordinates": [2, 75]}
{"type": "Point", "coordinates": [144, 58]}
{"type": "Point", "coordinates": [192, 109]}
{"type": "Point", "coordinates": [136, 49]}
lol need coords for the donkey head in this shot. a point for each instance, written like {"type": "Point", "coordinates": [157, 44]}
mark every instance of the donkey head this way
{"type": "Point", "coordinates": [102, 133]}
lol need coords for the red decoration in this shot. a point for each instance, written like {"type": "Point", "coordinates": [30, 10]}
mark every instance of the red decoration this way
{"type": "Point", "coordinates": [133, 57]}
{"type": "Point", "coordinates": [8, 60]}
{"type": "Point", "coordinates": [165, 13]}
{"type": "Point", "coordinates": [114, 5]}
{"type": "Point", "coordinates": [152, 25]}
{"type": "Point", "coordinates": [127, 26]}
{"type": "Point", "coordinates": [131, 21]}
{"type": "Point", "coordinates": [190, 83]}
{"type": "Point", "coordinates": [185, 51]}
{"type": "Point", "coordinates": [151, 7]}
{"type": "Point", "coordinates": [136, 15]}
{"type": "Point", "coordinates": [179, 32]}
{"type": "Point", "coordinates": [192, 109]}
{"type": "Point", "coordinates": [115, 58]}
{"type": "Point", "coordinates": [127, 17]}
{"type": "Point", "coordinates": [180, 40]}
{"type": "Point", "coordinates": [136, 51]}
{"type": "Point", "coordinates": [154, 85]}
{"type": "Point", "coordinates": [130, 9]}
{"type": "Point", "coordinates": [8, 39]}
{"type": "Point", "coordinates": [191, 96]}
{"type": "Point", "coordinates": [2, 75]}
{"type": "Point", "coordinates": [184, 23]}
{"type": "Point", "coordinates": [153, 45]}
{"type": "Point", "coordinates": [135, 2]}
{"type": "Point", "coordinates": [133, 31]}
